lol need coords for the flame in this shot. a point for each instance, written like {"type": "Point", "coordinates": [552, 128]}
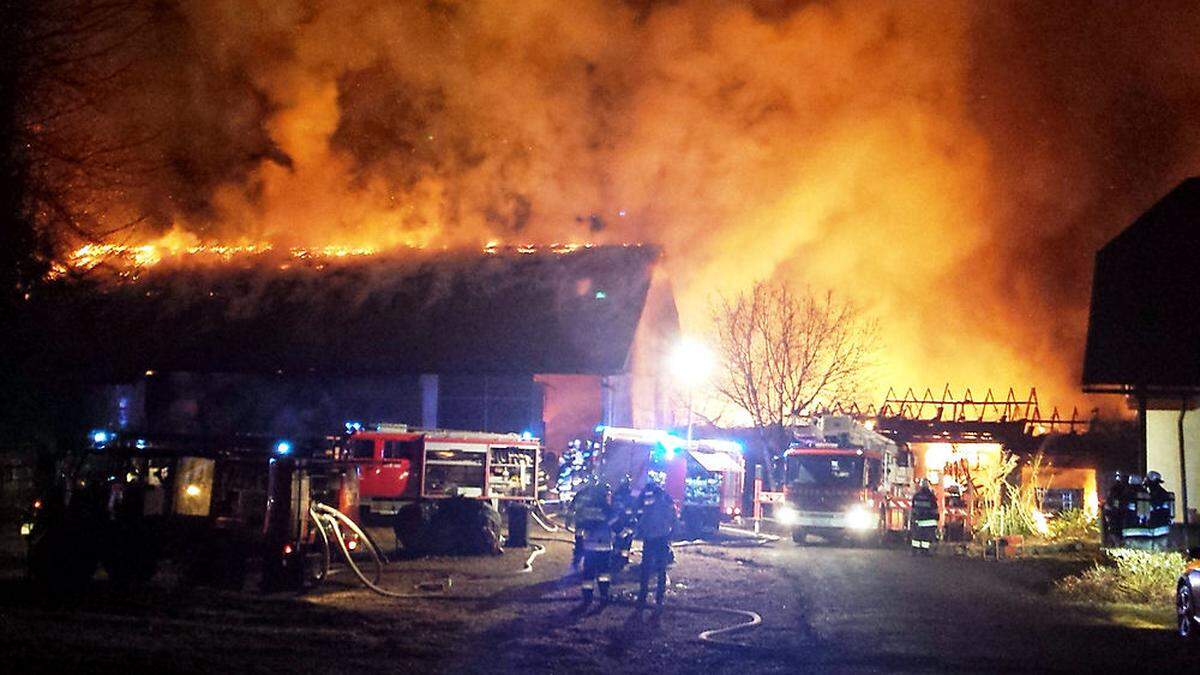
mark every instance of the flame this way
{"type": "Point", "coordinates": [178, 246]}
{"type": "Point", "coordinates": [920, 165]}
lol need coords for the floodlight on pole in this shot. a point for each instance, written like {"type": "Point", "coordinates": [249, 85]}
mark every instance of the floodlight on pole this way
{"type": "Point", "coordinates": [691, 363]}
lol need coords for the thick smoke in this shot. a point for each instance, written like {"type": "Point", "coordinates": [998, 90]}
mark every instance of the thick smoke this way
{"type": "Point", "coordinates": [949, 166]}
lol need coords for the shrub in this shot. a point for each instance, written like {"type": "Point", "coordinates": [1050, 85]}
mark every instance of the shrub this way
{"type": "Point", "coordinates": [1127, 575]}
{"type": "Point", "coordinates": [1074, 524]}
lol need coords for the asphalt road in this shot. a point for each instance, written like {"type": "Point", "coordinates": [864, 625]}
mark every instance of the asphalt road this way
{"type": "Point", "coordinates": [824, 609]}
{"type": "Point", "coordinates": [838, 609]}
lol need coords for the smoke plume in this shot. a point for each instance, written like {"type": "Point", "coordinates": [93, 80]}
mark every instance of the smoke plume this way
{"type": "Point", "coordinates": [949, 166]}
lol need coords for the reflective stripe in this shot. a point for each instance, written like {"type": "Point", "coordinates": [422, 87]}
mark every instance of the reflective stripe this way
{"type": "Point", "coordinates": [927, 523]}
{"type": "Point", "coordinates": [920, 544]}
{"type": "Point", "coordinates": [1145, 531]}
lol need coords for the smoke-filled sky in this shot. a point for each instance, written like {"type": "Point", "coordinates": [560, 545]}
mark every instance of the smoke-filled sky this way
{"type": "Point", "coordinates": [950, 166]}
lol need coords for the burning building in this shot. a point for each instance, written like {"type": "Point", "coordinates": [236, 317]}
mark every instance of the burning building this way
{"type": "Point", "coordinates": [550, 342]}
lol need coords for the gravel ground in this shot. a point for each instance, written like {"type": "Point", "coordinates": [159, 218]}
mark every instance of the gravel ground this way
{"type": "Point", "coordinates": [824, 609]}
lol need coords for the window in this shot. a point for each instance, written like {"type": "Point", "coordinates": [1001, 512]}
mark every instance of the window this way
{"type": "Point", "coordinates": [401, 450]}
{"type": "Point", "coordinates": [362, 449]}
{"type": "Point", "coordinates": [821, 470]}
{"type": "Point", "coordinates": [874, 472]}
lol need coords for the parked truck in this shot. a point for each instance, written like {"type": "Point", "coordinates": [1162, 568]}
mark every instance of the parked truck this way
{"type": "Point", "coordinates": [854, 488]}
{"type": "Point", "coordinates": [215, 507]}
{"type": "Point", "coordinates": [398, 466]}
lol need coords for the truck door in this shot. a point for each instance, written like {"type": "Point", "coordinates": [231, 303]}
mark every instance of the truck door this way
{"type": "Point", "coordinates": [364, 453]}
{"type": "Point", "coordinates": [399, 458]}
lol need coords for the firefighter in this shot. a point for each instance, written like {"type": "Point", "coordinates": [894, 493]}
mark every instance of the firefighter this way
{"type": "Point", "coordinates": [1114, 510]}
{"type": "Point", "coordinates": [589, 492]}
{"type": "Point", "coordinates": [655, 523]}
{"type": "Point", "coordinates": [592, 507]}
{"type": "Point", "coordinates": [924, 519]}
{"type": "Point", "coordinates": [1162, 505]}
{"type": "Point", "coordinates": [624, 507]}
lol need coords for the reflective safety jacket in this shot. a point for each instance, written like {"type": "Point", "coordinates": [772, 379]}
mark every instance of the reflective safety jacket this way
{"type": "Point", "coordinates": [924, 509]}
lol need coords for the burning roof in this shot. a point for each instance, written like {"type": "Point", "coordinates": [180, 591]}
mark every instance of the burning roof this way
{"type": "Point", "coordinates": [565, 310]}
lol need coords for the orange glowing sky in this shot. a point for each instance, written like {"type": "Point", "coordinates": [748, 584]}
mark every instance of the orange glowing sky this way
{"type": "Point", "coordinates": [948, 167]}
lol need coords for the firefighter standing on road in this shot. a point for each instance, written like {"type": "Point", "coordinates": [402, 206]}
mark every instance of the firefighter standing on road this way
{"type": "Point", "coordinates": [592, 508]}
{"type": "Point", "coordinates": [590, 492]}
{"type": "Point", "coordinates": [924, 519]}
{"type": "Point", "coordinates": [655, 524]}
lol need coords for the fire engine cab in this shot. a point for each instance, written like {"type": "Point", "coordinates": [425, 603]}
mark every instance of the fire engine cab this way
{"type": "Point", "coordinates": [852, 486]}
{"type": "Point", "coordinates": [398, 465]}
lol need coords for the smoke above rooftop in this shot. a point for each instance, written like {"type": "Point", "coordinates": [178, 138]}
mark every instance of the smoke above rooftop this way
{"type": "Point", "coordinates": [949, 166]}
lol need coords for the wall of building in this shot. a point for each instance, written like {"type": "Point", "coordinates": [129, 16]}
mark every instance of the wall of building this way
{"type": "Point", "coordinates": [317, 405]}
{"type": "Point", "coordinates": [1162, 453]}
{"type": "Point", "coordinates": [647, 383]}
{"type": "Point", "coordinates": [572, 408]}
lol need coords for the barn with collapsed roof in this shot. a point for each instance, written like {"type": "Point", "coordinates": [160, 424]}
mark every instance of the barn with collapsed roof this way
{"type": "Point", "coordinates": [551, 343]}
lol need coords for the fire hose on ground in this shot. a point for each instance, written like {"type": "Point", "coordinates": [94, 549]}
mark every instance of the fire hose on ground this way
{"type": "Point", "coordinates": [330, 521]}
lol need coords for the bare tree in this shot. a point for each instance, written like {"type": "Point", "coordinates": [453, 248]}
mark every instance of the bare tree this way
{"type": "Point", "coordinates": [67, 155]}
{"type": "Point", "coordinates": [64, 155]}
{"type": "Point", "coordinates": [786, 353]}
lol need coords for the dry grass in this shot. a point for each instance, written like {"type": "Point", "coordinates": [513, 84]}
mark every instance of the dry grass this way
{"type": "Point", "coordinates": [1074, 524]}
{"type": "Point", "coordinates": [1127, 575]}
{"type": "Point", "coordinates": [1008, 505]}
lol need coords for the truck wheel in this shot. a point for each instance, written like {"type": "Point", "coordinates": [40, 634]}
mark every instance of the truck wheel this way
{"type": "Point", "coordinates": [63, 561]}
{"type": "Point", "coordinates": [800, 537]}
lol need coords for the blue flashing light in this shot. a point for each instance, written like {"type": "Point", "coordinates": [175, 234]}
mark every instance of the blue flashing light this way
{"type": "Point", "coordinates": [600, 295]}
{"type": "Point", "coordinates": [352, 427]}
{"type": "Point", "coordinates": [599, 428]}
{"type": "Point", "coordinates": [141, 444]}
{"type": "Point", "coordinates": [101, 437]}
{"type": "Point", "coordinates": [670, 445]}
{"type": "Point", "coordinates": [526, 435]}
{"type": "Point", "coordinates": [283, 448]}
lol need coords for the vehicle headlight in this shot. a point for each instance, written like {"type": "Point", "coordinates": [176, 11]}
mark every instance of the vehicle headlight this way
{"type": "Point", "coordinates": [860, 517]}
{"type": "Point", "coordinates": [786, 515]}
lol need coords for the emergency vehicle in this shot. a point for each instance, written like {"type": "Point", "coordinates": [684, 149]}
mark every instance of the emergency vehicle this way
{"type": "Point", "coordinates": [398, 465]}
{"type": "Point", "coordinates": [855, 487]}
{"type": "Point", "coordinates": [215, 506]}
{"type": "Point", "coordinates": [705, 478]}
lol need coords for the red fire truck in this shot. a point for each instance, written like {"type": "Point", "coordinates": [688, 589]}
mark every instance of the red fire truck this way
{"type": "Point", "coordinates": [398, 465]}
{"type": "Point", "coordinates": [705, 478]}
{"type": "Point", "coordinates": [844, 493]}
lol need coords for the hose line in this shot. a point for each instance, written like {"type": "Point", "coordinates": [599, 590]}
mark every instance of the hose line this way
{"type": "Point", "coordinates": [330, 520]}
